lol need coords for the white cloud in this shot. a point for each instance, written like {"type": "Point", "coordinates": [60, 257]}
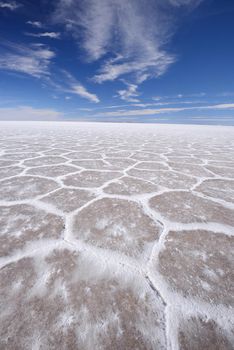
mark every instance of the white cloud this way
{"type": "Point", "coordinates": [190, 3]}
{"type": "Point", "coordinates": [32, 60]}
{"type": "Point", "coordinates": [142, 112]}
{"type": "Point", "coordinates": [220, 106]}
{"type": "Point", "coordinates": [29, 113]}
{"type": "Point", "coordinates": [133, 32]}
{"type": "Point", "coordinates": [68, 84]}
{"type": "Point", "coordinates": [80, 90]}
{"type": "Point", "coordinates": [51, 35]}
{"type": "Point", "coordinates": [10, 5]}
{"type": "Point", "coordinates": [130, 94]}
{"type": "Point", "coordinates": [35, 24]}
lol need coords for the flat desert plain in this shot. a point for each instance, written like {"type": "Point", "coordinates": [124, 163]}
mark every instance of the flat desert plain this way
{"type": "Point", "coordinates": [116, 236]}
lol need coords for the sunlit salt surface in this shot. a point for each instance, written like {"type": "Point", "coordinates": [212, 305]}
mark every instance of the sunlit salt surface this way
{"type": "Point", "coordinates": [116, 236]}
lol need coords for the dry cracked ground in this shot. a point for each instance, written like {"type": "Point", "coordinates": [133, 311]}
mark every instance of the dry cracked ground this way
{"type": "Point", "coordinates": [116, 236]}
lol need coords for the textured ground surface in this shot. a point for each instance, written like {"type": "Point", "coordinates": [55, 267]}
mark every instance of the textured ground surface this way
{"type": "Point", "coordinates": [116, 236]}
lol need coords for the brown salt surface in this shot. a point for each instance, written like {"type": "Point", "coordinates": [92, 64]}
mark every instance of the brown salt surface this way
{"type": "Point", "coordinates": [218, 188]}
{"type": "Point", "coordinates": [83, 155]}
{"type": "Point", "coordinates": [52, 171]}
{"type": "Point", "coordinates": [222, 171]}
{"type": "Point", "coordinates": [152, 166]}
{"type": "Point", "coordinates": [167, 179]}
{"type": "Point", "coordinates": [96, 164]}
{"type": "Point", "coordinates": [6, 163]}
{"type": "Point", "coordinates": [10, 171]}
{"type": "Point", "coordinates": [22, 224]}
{"type": "Point", "coordinates": [68, 199]}
{"type": "Point", "coordinates": [146, 156]}
{"type": "Point", "coordinates": [199, 263]}
{"type": "Point", "coordinates": [130, 186]}
{"type": "Point", "coordinates": [19, 156]}
{"type": "Point", "coordinates": [44, 161]}
{"type": "Point", "coordinates": [90, 178]}
{"type": "Point", "coordinates": [191, 169]}
{"type": "Point", "coordinates": [60, 302]}
{"type": "Point", "coordinates": [186, 207]}
{"type": "Point", "coordinates": [201, 334]}
{"type": "Point", "coordinates": [118, 154]}
{"type": "Point", "coordinates": [105, 224]}
{"type": "Point", "coordinates": [23, 187]}
{"type": "Point", "coordinates": [186, 160]}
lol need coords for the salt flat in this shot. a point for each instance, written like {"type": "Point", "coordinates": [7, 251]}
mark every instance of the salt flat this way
{"type": "Point", "coordinates": [116, 236]}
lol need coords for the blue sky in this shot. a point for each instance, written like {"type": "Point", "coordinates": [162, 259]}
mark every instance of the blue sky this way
{"type": "Point", "coordinates": [115, 60]}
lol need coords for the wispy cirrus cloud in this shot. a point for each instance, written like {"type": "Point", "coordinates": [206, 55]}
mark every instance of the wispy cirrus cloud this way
{"type": "Point", "coordinates": [133, 33]}
{"type": "Point", "coordinates": [51, 35]}
{"type": "Point", "coordinates": [81, 91]}
{"type": "Point", "coordinates": [146, 112]}
{"type": "Point", "coordinates": [33, 60]}
{"type": "Point", "coordinates": [130, 94]}
{"type": "Point", "coordinates": [35, 24]}
{"type": "Point", "coordinates": [10, 5]}
{"type": "Point", "coordinates": [68, 84]}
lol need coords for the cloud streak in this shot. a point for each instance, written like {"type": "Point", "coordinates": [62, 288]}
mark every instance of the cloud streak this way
{"type": "Point", "coordinates": [33, 60]}
{"type": "Point", "coordinates": [51, 35]}
{"type": "Point", "coordinates": [68, 84]}
{"type": "Point", "coordinates": [10, 5]}
{"type": "Point", "coordinates": [133, 33]}
{"type": "Point", "coordinates": [146, 112]}
{"type": "Point", "coordinates": [35, 24]}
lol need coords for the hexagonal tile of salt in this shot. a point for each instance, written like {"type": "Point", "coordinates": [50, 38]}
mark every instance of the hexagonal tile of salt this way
{"type": "Point", "coordinates": [152, 166]}
{"type": "Point", "coordinates": [130, 186]}
{"type": "Point", "coordinates": [119, 225]}
{"type": "Point", "coordinates": [67, 199]}
{"type": "Point", "coordinates": [218, 188]}
{"type": "Point", "coordinates": [200, 264]}
{"type": "Point", "coordinates": [71, 301]}
{"type": "Point", "coordinates": [6, 163]}
{"type": "Point", "coordinates": [23, 187]}
{"type": "Point", "coordinates": [146, 156]}
{"type": "Point", "coordinates": [119, 164]}
{"type": "Point", "coordinates": [187, 160]}
{"type": "Point", "coordinates": [97, 164]}
{"type": "Point", "coordinates": [90, 178]}
{"type": "Point", "coordinates": [53, 171]}
{"type": "Point", "coordinates": [198, 334]}
{"type": "Point", "coordinates": [20, 156]}
{"type": "Point", "coordinates": [118, 154]}
{"type": "Point", "coordinates": [185, 207]}
{"type": "Point", "coordinates": [44, 161]}
{"type": "Point", "coordinates": [10, 171]}
{"type": "Point", "coordinates": [222, 171]}
{"type": "Point", "coordinates": [23, 224]}
{"type": "Point", "coordinates": [168, 179]}
{"type": "Point", "coordinates": [56, 152]}
{"type": "Point", "coordinates": [191, 169]}
{"type": "Point", "coordinates": [83, 155]}
{"type": "Point", "coordinates": [221, 163]}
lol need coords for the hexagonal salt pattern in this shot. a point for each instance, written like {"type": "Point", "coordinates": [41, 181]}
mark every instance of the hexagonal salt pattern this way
{"type": "Point", "coordinates": [65, 299]}
{"type": "Point", "coordinates": [24, 187]}
{"type": "Point", "coordinates": [200, 263]}
{"type": "Point", "coordinates": [105, 224]}
{"type": "Point", "coordinates": [22, 224]}
{"type": "Point", "coordinates": [187, 207]}
{"type": "Point", "coordinates": [116, 236]}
